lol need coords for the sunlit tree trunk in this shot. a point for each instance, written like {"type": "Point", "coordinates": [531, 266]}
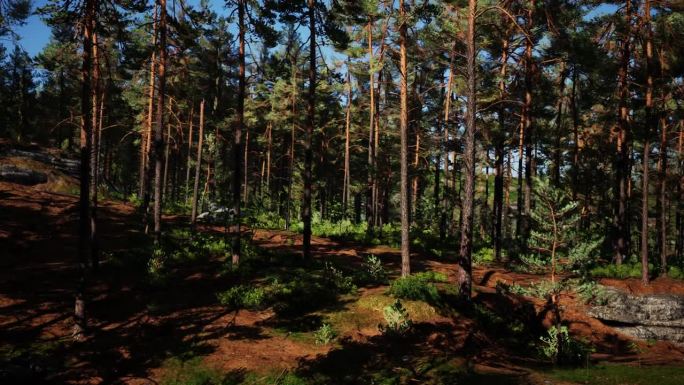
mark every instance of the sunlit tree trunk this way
{"type": "Point", "coordinates": [371, 125]}
{"type": "Point", "coordinates": [198, 164]}
{"type": "Point", "coordinates": [88, 19]}
{"type": "Point", "coordinates": [159, 129]}
{"type": "Point", "coordinates": [527, 125]}
{"type": "Point", "coordinates": [662, 195]}
{"type": "Point", "coordinates": [464, 256]}
{"type": "Point", "coordinates": [650, 123]}
{"type": "Point", "coordinates": [499, 151]}
{"type": "Point", "coordinates": [308, 137]}
{"type": "Point", "coordinates": [347, 127]}
{"type": "Point", "coordinates": [403, 132]}
{"type": "Point", "coordinates": [146, 140]}
{"type": "Point", "coordinates": [188, 165]}
{"type": "Point", "coordinates": [95, 144]}
{"type": "Point", "coordinates": [621, 230]}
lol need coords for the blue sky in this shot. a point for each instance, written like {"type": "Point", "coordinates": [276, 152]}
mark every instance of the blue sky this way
{"type": "Point", "coordinates": [35, 34]}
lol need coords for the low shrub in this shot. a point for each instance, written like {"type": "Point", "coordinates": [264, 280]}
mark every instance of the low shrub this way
{"type": "Point", "coordinates": [192, 372]}
{"type": "Point", "coordinates": [325, 334]}
{"type": "Point", "coordinates": [625, 270]}
{"type": "Point", "coordinates": [243, 297]}
{"type": "Point", "coordinates": [483, 256]}
{"type": "Point", "coordinates": [372, 272]}
{"type": "Point", "coordinates": [561, 348]}
{"type": "Point", "coordinates": [397, 318]}
{"type": "Point", "coordinates": [419, 287]}
{"type": "Point", "coordinates": [675, 273]}
{"type": "Point", "coordinates": [157, 269]}
{"type": "Point", "coordinates": [338, 280]}
{"type": "Point", "coordinates": [591, 293]}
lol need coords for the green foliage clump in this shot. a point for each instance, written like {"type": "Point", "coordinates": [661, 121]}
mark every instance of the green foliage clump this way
{"type": "Point", "coordinates": [615, 374]}
{"type": "Point", "coordinates": [325, 334]}
{"type": "Point", "coordinates": [584, 253]}
{"type": "Point", "coordinates": [532, 263]}
{"type": "Point", "coordinates": [397, 318]}
{"type": "Point", "coordinates": [157, 267]}
{"type": "Point", "coordinates": [561, 348]}
{"type": "Point", "coordinates": [675, 273]}
{"type": "Point", "coordinates": [243, 297]}
{"type": "Point", "coordinates": [483, 256]}
{"type": "Point", "coordinates": [372, 271]}
{"type": "Point", "coordinates": [193, 372]}
{"type": "Point", "coordinates": [625, 270]}
{"type": "Point", "coordinates": [553, 218]}
{"type": "Point", "coordinates": [418, 287]}
{"type": "Point", "coordinates": [339, 281]}
{"type": "Point", "coordinates": [592, 293]}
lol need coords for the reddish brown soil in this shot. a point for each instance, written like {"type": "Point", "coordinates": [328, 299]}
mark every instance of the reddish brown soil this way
{"type": "Point", "coordinates": [130, 340]}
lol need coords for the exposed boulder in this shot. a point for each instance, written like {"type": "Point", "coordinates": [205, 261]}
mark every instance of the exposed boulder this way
{"type": "Point", "coordinates": [216, 214]}
{"type": "Point", "coordinates": [654, 316]}
{"type": "Point", "coordinates": [68, 166]}
{"type": "Point", "coordinates": [14, 174]}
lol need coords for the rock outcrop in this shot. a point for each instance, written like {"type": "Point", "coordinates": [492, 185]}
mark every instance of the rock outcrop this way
{"type": "Point", "coordinates": [648, 317]}
{"type": "Point", "coordinates": [13, 174]}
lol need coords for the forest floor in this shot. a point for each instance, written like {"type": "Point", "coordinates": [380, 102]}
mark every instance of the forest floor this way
{"type": "Point", "coordinates": [146, 334]}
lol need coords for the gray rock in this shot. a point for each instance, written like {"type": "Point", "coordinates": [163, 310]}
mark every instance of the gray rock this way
{"type": "Point", "coordinates": [13, 174]}
{"type": "Point", "coordinates": [657, 317]}
{"type": "Point", "coordinates": [67, 166]}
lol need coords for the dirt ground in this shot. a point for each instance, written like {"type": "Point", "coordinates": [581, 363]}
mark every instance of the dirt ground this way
{"type": "Point", "coordinates": [131, 340]}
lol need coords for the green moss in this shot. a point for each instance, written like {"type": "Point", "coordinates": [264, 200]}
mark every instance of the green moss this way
{"type": "Point", "coordinates": [622, 374]}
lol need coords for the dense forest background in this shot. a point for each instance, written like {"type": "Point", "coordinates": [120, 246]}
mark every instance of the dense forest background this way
{"type": "Point", "coordinates": [529, 132]}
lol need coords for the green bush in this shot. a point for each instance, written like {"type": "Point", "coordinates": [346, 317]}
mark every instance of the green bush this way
{"type": "Point", "coordinates": [339, 282]}
{"type": "Point", "coordinates": [397, 318]}
{"type": "Point", "coordinates": [675, 273]}
{"type": "Point", "coordinates": [534, 263]}
{"type": "Point", "coordinates": [157, 268]}
{"type": "Point", "coordinates": [372, 272]}
{"type": "Point", "coordinates": [243, 297]}
{"type": "Point", "coordinates": [483, 256]}
{"type": "Point", "coordinates": [592, 293]}
{"type": "Point", "coordinates": [623, 271]}
{"type": "Point", "coordinates": [325, 334]}
{"type": "Point", "coordinates": [191, 372]}
{"type": "Point", "coordinates": [560, 348]}
{"type": "Point", "coordinates": [419, 287]}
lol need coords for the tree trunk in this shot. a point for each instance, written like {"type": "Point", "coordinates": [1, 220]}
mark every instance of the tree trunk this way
{"type": "Point", "coordinates": [159, 132]}
{"type": "Point", "coordinates": [95, 144]}
{"type": "Point", "coordinates": [237, 140]}
{"type": "Point", "coordinates": [575, 133]}
{"type": "Point", "coordinates": [447, 114]}
{"type": "Point", "coordinates": [167, 149]}
{"type": "Point", "coordinates": [650, 122]}
{"type": "Point", "coordinates": [621, 230]}
{"type": "Point", "coordinates": [80, 322]}
{"type": "Point", "coordinates": [189, 161]}
{"type": "Point", "coordinates": [527, 125]}
{"type": "Point", "coordinates": [403, 131]}
{"type": "Point", "coordinates": [200, 140]}
{"type": "Point", "coordinates": [558, 151]}
{"type": "Point", "coordinates": [499, 152]}
{"type": "Point", "coordinates": [290, 178]}
{"type": "Point", "coordinates": [347, 126]}
{"type": "Point", "coordinates": [308, 153]}
{"type": "Point", "coordinates": [644, 214]}
{"type": "Point", "coordinates": [370, 214]}
{"type": "Point", "coordinates": [146, 140]}
{"type": "Point", "coordinates": [464, 277]}
{"type": "Point", "coordinates": [662, 196]}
